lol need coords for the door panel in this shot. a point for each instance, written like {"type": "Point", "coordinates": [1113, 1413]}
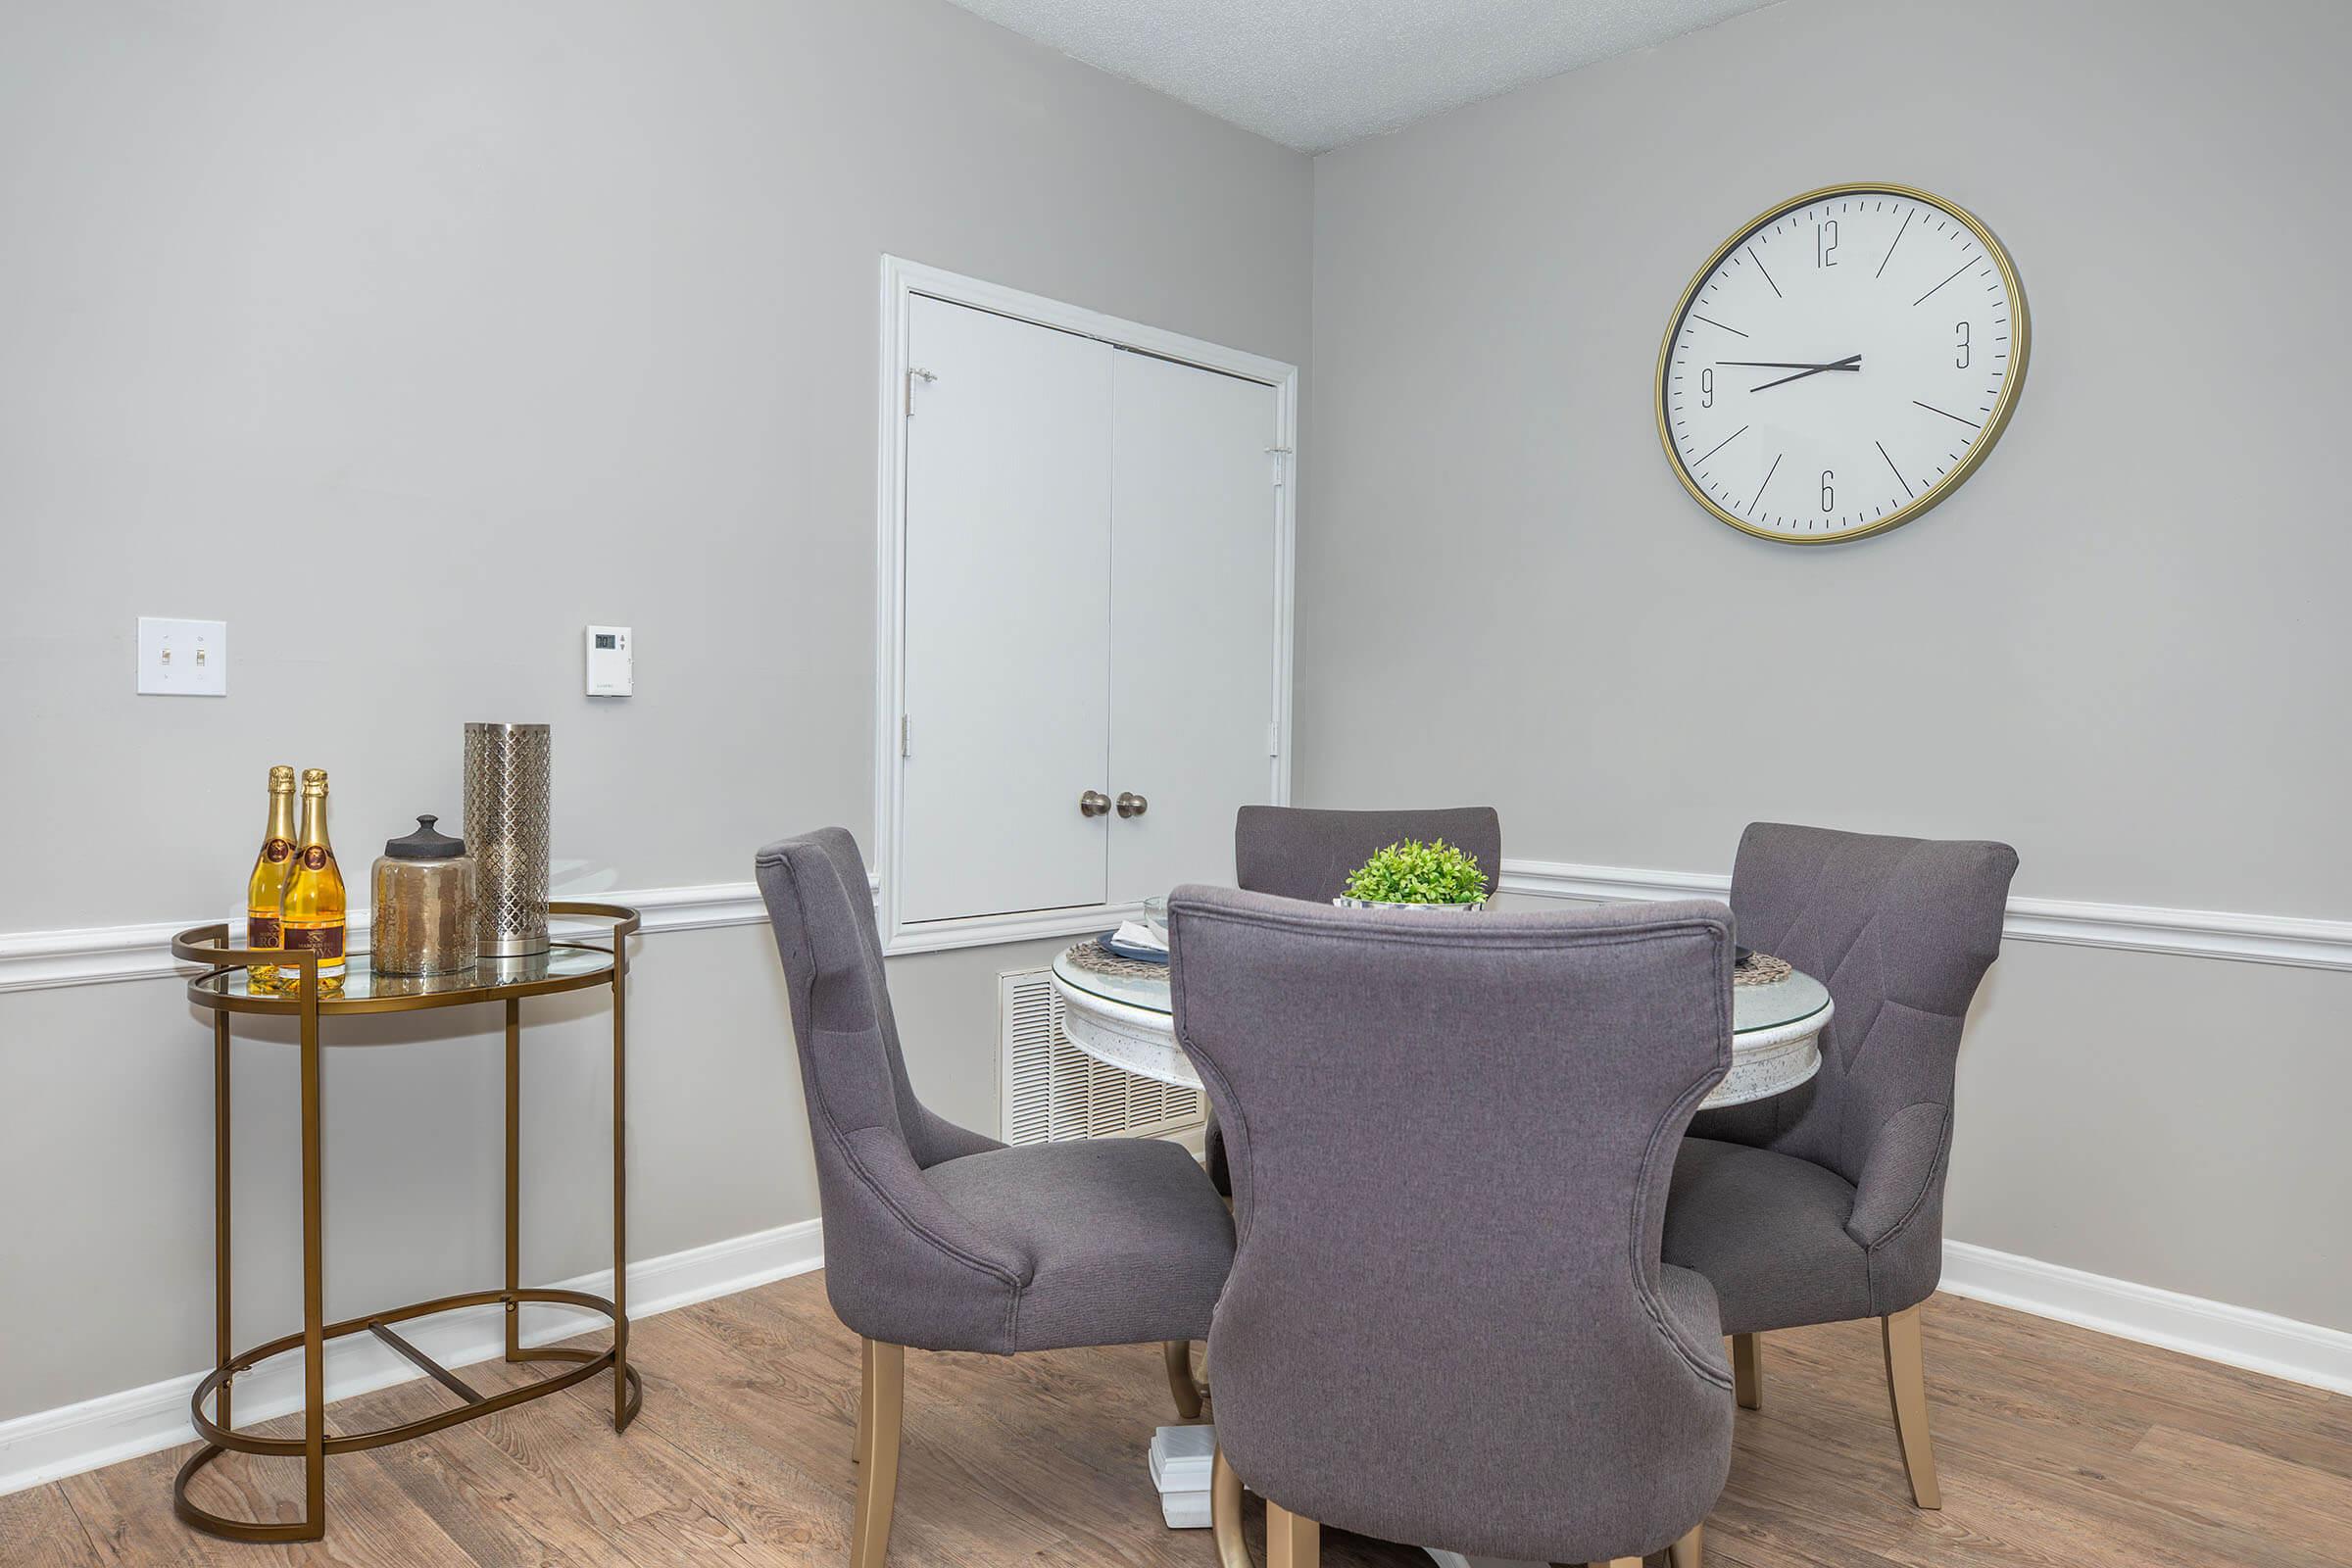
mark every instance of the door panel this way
{"type": "Point", "coordinates": [1007, 615]}
{"type": "Point", "coordinates": [1193, 591]}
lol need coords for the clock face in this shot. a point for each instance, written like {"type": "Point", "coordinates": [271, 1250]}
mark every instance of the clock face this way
{"type": "Point", "coordinates": [1841, 365]}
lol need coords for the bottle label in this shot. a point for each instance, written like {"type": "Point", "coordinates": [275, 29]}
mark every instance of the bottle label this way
{"type": "Point", "coordinates": [324, 940]}
{"type": "Point", "coordinates": [261, 931]}
{"type": "Point", "coordinates": [315, 857]}
{"type": "Point", "coordinates": [277, 851]}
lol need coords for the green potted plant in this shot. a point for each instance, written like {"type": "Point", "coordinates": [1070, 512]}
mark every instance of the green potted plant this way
{"type": "Point", "coordinates": [1413, 875]}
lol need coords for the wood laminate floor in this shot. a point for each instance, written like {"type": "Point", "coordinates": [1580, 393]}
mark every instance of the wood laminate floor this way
{"type": "Point", "coordinates": [2057, 1446]}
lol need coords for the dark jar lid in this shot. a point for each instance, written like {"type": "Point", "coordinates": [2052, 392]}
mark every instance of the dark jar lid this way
{"type": "Point", "coordinates": [426, 844]}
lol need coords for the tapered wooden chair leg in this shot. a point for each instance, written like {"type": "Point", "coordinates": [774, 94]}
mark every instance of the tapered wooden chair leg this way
{"type": "Point", "coordinates": [1685, 1553]}
{"type": "Point", "coordinates": [1225, 1513]}
{"type": "Point", "coordinates": [1748, 1370]}
{"type": "Point", "coordinates": [1178, 1353]}
{"type": "Point", "coordinates": [1907, 1391]}
{"type": "Point", "coordinates": [1293, 1540]}
{"type": "Point", "coordinates": [881, 1400]}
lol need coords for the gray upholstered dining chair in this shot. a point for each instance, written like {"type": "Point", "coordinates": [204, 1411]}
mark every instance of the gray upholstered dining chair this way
{"type": "Point", "coordinates": [1478, 1351]}
{"type": "Point", "coordinates": [944, 1240]}
{"type": "Point", "coordinates": [1297, 851]}
{"type": "Point", "coordinates": [1825, 1203]}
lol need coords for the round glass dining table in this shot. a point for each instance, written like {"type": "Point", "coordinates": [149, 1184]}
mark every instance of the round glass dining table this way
{"type": "Point", "coordinates": [1126, 1019]}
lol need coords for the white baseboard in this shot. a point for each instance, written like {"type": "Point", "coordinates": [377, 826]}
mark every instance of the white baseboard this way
{"type": "Point", "coordinates": [50, 1443]}
{"type": "Point", "coordinates": [2236, 1336]}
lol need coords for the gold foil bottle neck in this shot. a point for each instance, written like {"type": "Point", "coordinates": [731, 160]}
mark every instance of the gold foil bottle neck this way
{"type": "Point", "coordinates": [314, 781]}
{"type": "Point", "coordinates": [282, 780]}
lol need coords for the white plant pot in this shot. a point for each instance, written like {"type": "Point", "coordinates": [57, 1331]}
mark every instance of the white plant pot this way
{"type": "Point", "coordinates": [1345, 903]}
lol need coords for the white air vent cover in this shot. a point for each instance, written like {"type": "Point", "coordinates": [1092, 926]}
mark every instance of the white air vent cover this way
{"type": "Point", "coordinates": [1053, 1091]}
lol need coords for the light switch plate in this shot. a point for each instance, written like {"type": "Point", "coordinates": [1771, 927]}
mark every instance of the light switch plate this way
{"type": "Point", "coordinates": [612, 661]}
{"type": "Point", "coordinates": [183, 658]}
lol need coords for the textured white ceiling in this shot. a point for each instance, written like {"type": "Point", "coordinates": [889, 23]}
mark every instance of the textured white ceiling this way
{"type": "Point", "coordinates": [1319, 74]}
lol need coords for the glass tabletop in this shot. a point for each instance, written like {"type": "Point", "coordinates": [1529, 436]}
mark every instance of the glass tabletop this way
{"type": "Point", "coordinates": [564, 961]}
{"type": "Point", "coordinates": [1147, 991]}
{"type": "Point", "coordinates": [1800, 996]}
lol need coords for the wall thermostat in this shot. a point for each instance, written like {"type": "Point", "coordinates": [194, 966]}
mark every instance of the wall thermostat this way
{"type": "Point", "coordinates": [611, 671]}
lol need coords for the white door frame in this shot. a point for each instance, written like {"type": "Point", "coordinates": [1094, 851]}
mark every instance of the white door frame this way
{"type": "Point", "coordinates": [902, 281]}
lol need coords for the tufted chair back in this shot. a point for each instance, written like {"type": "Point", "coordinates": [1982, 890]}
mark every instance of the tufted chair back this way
{"type": "Point", "coordinates": [901, 1266]}
{"type": "Point", "coordinates": [1902, 931]}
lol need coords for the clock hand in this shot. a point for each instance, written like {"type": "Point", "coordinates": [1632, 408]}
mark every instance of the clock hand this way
{"type": "Point", "coordinates": [1853, 362]}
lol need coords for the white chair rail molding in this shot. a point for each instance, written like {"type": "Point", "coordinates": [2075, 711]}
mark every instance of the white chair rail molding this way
{"type": "Point", "coordinates": [1395, 783]}
{"type": "Point", "coordinates": [39, 959]}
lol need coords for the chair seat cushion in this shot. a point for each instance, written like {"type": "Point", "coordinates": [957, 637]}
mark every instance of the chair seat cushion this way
{"type": "Point", "coordinates": [1767, 1231]}
{"type": "Point", "coordinates": [1127, 1241]}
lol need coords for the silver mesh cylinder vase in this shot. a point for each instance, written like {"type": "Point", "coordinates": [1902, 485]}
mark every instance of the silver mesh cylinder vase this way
{"type": "Point", "coordinates": [506, 832]}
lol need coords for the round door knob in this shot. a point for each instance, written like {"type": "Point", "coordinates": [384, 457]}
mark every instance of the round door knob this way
{"type": "Point", "coordinates": [1093, 803]}
{"type": "Point", "coordinates": [1132, 803]}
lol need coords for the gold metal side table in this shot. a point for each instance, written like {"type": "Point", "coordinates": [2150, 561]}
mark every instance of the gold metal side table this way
{"type": "Point", "coordinates": [224, 989]}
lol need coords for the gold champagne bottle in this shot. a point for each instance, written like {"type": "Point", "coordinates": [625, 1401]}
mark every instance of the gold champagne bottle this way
{"type": "Point", "coordinates": [266, 889]}
{"type": "Point", "coordinates": [313, 914]}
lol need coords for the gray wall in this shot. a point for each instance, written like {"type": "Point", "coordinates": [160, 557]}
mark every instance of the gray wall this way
{"type": "Point", "coordinates": [410, 339]}
{"type": "Point", "coordinates": [2120, 646]}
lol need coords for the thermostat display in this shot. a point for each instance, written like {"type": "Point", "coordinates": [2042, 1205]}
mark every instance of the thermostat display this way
{"type": "Point", "coordinates": [610, 664]}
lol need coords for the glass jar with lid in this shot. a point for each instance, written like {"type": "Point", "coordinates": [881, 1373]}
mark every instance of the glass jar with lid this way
{"type": "Point", "coordinates": [424, 911]}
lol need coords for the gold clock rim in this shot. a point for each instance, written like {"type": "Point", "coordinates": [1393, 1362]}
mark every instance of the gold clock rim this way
{"type": "Point", "coordinates": [1997, 422]}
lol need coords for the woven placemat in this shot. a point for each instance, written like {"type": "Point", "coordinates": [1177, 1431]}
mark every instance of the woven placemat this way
{"type": "Point", "coordinates": [1095, 959]}
{"type": "Point", "coordinates": [1762, 969]}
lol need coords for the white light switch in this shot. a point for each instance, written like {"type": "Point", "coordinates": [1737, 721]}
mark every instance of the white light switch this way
{"type": "Point", "coordinates": [183, 658]}
{"type": "Point", "coordinates": [612, 663]}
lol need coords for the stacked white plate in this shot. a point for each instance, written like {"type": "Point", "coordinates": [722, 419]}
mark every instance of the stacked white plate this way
{"type": "Point", "coordinates": [1181, 1460]}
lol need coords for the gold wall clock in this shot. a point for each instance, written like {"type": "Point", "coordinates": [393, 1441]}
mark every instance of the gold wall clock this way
{"type": "Point", "coordinates": [1842, 363]}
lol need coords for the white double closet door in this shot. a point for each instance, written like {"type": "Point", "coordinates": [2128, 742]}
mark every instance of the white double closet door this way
{"type": "Point", "coordinates": [1091, 605]}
